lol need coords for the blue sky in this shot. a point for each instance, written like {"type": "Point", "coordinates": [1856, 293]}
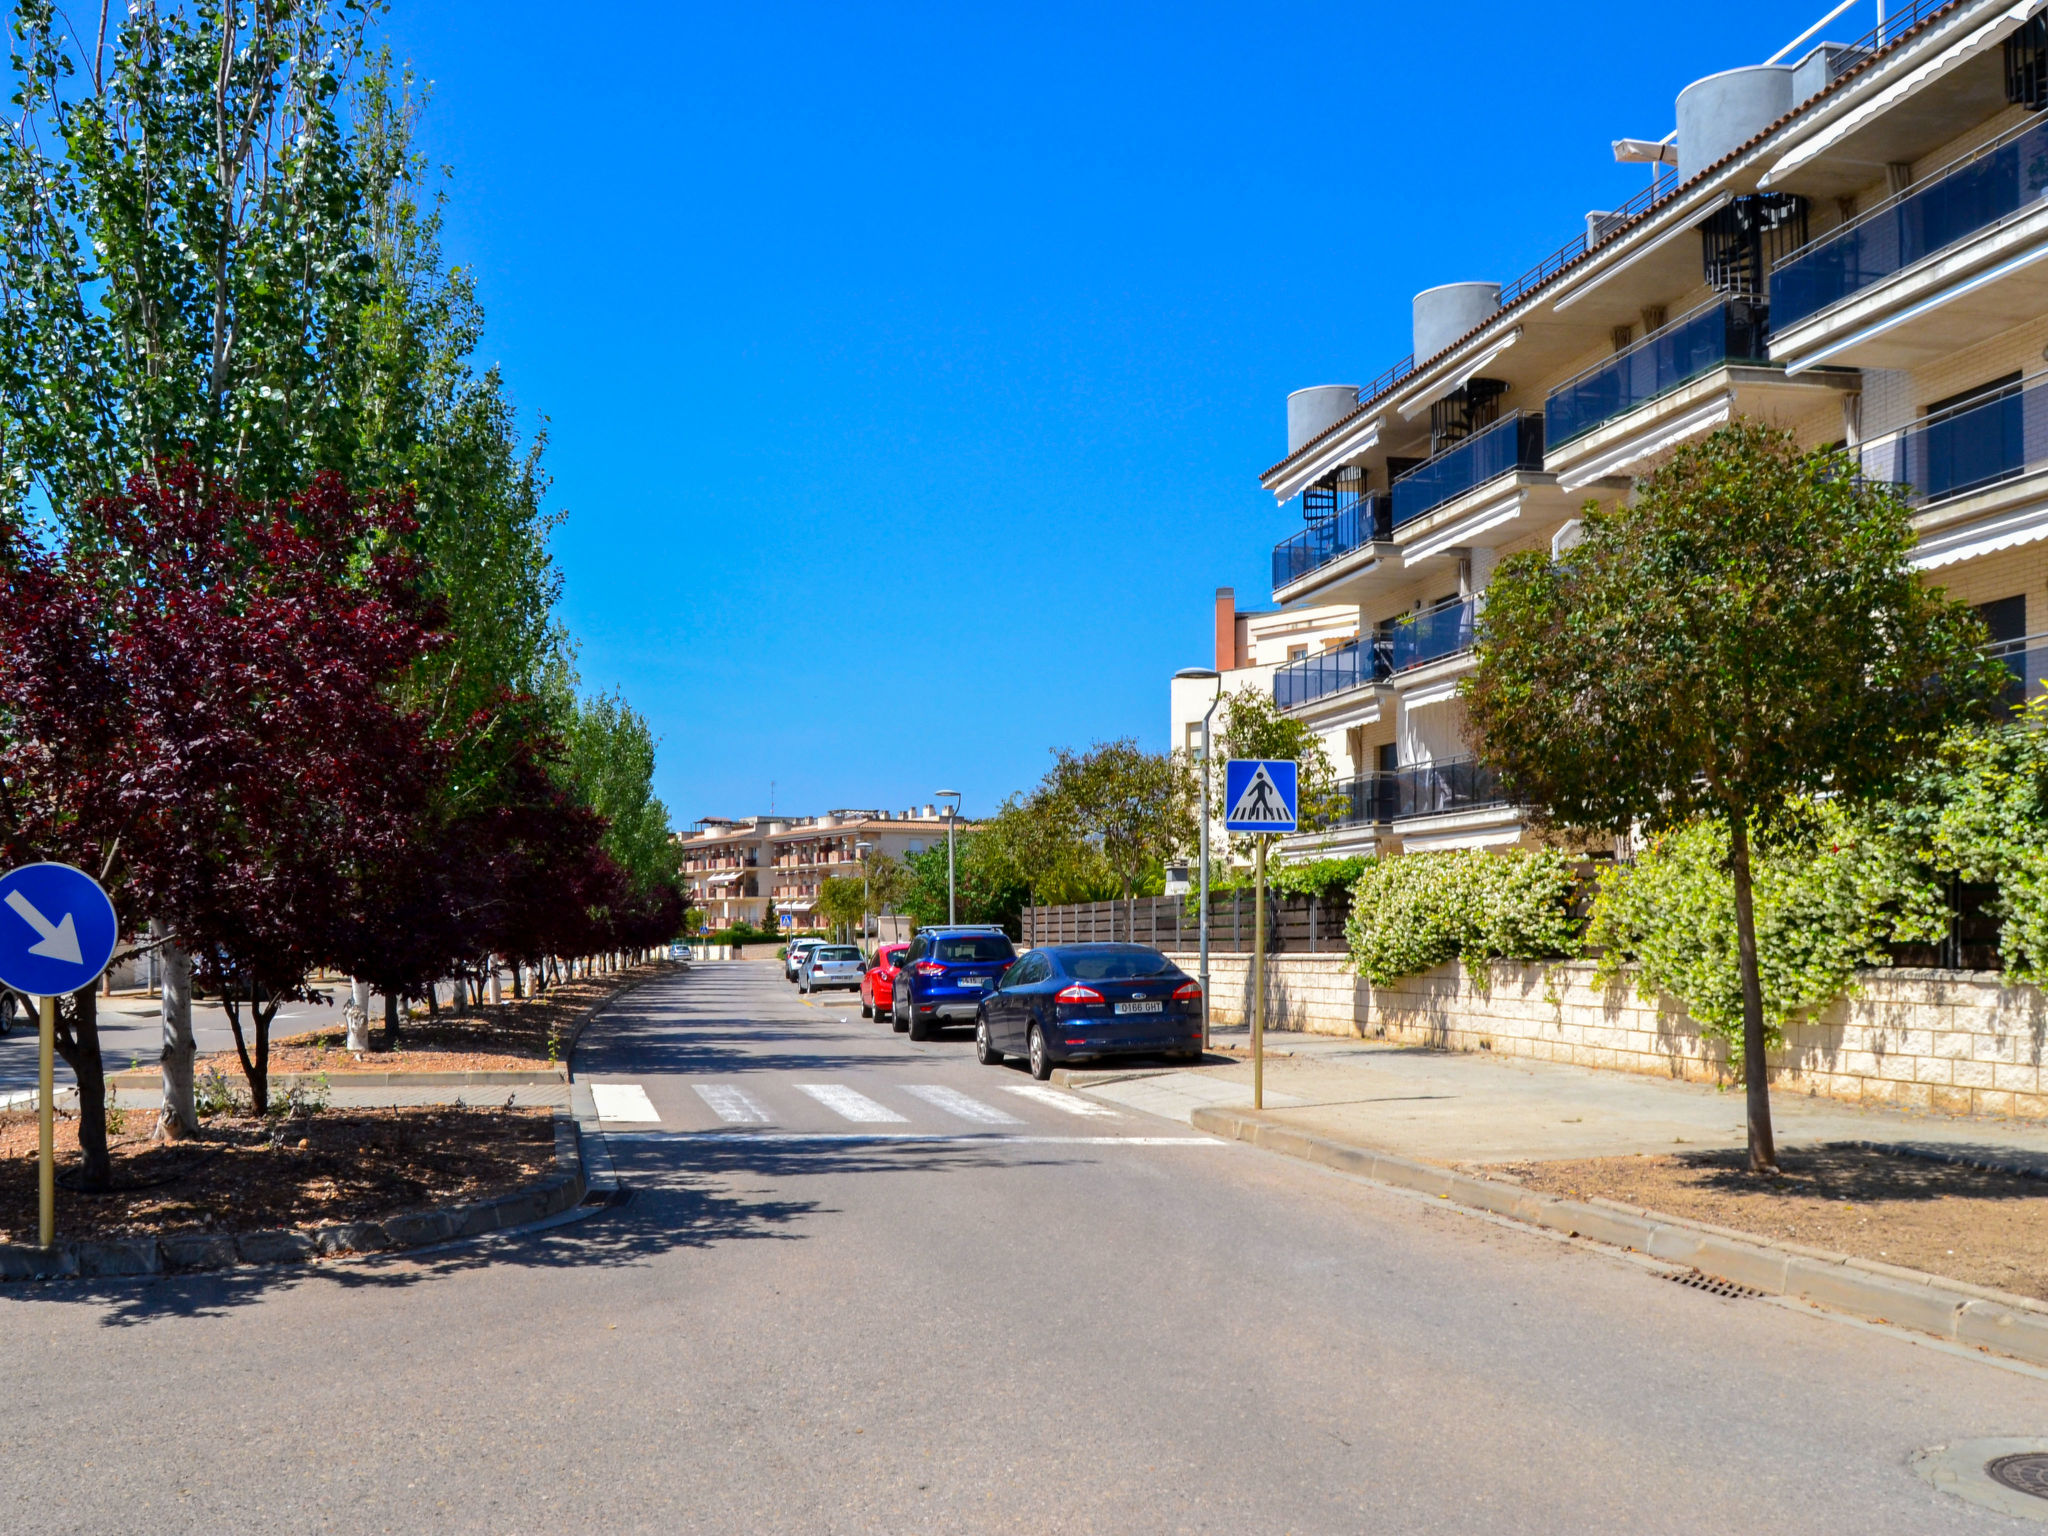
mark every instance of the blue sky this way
{"type": "Point", "coordinates": [934, 351]}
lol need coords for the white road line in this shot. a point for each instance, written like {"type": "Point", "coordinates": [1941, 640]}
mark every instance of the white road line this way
{"type": "Point", "coordinates": [848, 1105]}
{"type": "Point", "coordinates": [954, 1102]}
{"type": "Point", "coordinates": [735, 1106]}
{"type": "Point", "coordinates": [1060, 1099]}
{"type": "Point", "coordinates": [961, 1138]}
{"type": "Point", "coordinates": [622, 1101]}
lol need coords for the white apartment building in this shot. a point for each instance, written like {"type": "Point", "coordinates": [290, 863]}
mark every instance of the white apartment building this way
{"type": "Point", "coordinates": [801, 854]}
{"type": "Point", "coordinates": [1846, 241]}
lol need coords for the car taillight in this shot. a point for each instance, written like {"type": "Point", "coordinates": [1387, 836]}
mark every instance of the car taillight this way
{"type": "Point", "coordinates": [930, 968]}
{"type": "Point", "coordinates": [1078, 994]}
{"type": "Point", "coordinates": [1188, 992]}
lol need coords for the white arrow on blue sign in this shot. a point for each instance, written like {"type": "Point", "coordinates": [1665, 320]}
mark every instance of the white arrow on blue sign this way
{"type": "Point", "coordinates": [58, 932]}
{"type": "Point", "coordinates": [1259, 794]}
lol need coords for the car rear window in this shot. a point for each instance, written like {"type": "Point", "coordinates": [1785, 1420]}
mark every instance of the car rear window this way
{"type": "Point", "coordinates": [979, 946]}
{"type": "Point", "coordinates": [1118, 965]}
{"type": "Point", "coordinates": [894, 954]}
{"type": "Point", "coordinates": [837, 952]}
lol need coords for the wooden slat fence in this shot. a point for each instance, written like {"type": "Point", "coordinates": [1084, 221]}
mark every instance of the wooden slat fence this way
{"type": "Point", "coordinates": [1298, 925]}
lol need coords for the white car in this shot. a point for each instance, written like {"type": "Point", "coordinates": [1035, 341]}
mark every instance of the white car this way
{"type": "Point", "coordinates": [793, 957]}
{"type": "Point", "coordinates": [830, 965]}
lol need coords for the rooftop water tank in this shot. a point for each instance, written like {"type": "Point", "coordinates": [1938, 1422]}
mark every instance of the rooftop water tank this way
{"type": "Point", "coordinates": [1724, 112]}
{"type": "Point", "coordinates": [1445, 313]}
{"type": "Point", "coordinates": [1313, 411]}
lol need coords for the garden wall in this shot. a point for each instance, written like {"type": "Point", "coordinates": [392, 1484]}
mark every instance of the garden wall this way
{"type": "Point", "coordinates": [1958, 1042]}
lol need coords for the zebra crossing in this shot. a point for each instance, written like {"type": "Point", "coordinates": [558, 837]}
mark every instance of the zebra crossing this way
{"type": "Point", "coordinates": [781, 1102]}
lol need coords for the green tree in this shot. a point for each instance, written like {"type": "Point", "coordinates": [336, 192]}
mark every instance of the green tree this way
{"type": "Point", "coordinates": [609, 764]}
{"type": "Point", "coordinates": [1122, 801]}
{"type": "Point", "coordinates": [1251, 725]}
{"type": "Point", "coordinates": [1746, 631]}
{"type": "Point", "coordinates": [841, 904]}
{"type": "Point", "coordinates": [987, 889]}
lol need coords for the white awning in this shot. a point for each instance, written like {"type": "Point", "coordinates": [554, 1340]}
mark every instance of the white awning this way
{"type": "Point", "coordinates": [1415, 405]}
{"type": "Point", "coordinates": [1625, 456]}
{"type": "Point", "coordinates": [1955, 545]}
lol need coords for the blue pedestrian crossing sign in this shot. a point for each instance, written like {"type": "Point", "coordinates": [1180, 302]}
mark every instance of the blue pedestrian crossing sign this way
{"type": "Point", "coordinates": [58, 930]}
{"type": "Point", "coordinates": [1259, 794]}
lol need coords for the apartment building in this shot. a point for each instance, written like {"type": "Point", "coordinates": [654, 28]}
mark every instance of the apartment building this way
{"type": "Point", "coordinates": [1845, 241]}
{"type": "Point", "coordinates": [722, 867]}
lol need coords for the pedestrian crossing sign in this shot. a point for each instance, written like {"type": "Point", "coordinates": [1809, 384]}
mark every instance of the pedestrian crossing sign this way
{"type": "Point", "coordinates": [1260, 794]}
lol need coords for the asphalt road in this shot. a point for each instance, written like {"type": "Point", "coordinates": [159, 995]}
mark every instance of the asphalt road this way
{"type": "Point", "coordinates": [1047, 1322]}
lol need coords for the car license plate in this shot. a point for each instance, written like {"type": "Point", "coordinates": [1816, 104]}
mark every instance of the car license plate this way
{"type": "Point", "coordinates": [1141, 1007]}
{"type": "Point", "coordinates": [973, 981]}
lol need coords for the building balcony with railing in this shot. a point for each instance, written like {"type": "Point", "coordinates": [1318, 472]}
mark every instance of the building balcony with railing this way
{"type": "Point", "coordinates": [1512, 443]}
{"type": "Point", "coordinates": [1415, 640]}
{"type": "Point", "coordinates": [1422, 789]}
{"type": "Point", "coordinates": [1975, 472]}
{"type": "Point", "coordinates": [1360, 523]}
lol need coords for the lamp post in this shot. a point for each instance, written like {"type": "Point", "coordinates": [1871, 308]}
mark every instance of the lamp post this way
{"type": "Point", "coordinates": [861, 850]}
{"type": "Point", "coordinates": [1198, 675]}
{"type": "Point", "coordinates": [952, 813]}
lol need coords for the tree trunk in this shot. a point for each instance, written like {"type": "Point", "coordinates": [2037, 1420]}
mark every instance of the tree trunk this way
{"type": "Point", "coordinates": [80, 1048]}
{"type": "Point", "coordinates": [433, 999]}
{"type": "Point", "coordinates": [255, 1068]}
{"type": "Point", "coordinates": [1763, 1147]}
{"type": "Point", "coordinates": [179, 1117]}
{"type": "Point", "coordinates": [358, 1015]}
{"type": "Point", "coordinates": [391, 1012]}
{"type": "Point", "coordinates": [497, 996]}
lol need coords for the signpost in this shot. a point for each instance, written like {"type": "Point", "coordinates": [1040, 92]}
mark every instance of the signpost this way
{"type": "Point", "coordinates": [59, 936]}
{"type": "Point", "coordinates": [1261, 795]}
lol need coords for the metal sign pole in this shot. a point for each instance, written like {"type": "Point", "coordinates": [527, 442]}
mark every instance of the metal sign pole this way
{"type": "Point", "coordinates": [1259, 977]}
{"type": "Point", "coordinates": [46, 1126]}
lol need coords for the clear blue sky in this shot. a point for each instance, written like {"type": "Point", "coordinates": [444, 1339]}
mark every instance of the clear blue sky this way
{"type": "Point", "coordinates": [936, 349]}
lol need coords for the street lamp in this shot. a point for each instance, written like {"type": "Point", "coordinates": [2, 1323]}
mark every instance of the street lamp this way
{"type": "Point", "coordinates": [861, 851]}
{"type": "Point", "coordinates": [1202, 675]}
{"type": "Point", "coordinates": [952, 812]}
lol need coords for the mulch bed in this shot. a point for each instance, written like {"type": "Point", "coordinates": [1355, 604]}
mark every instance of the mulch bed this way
{"type": "Point", "coordinates": [244, 1174]}
{"type": "Point", "coordinates": [1985, 1228]}
{"type": "Point", "coordinates": [513, 1036]}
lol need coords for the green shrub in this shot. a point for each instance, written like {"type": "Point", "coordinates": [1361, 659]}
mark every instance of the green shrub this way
{"type": "Point", "coordinates": [1830, 892]}
{"type": "Point", "coordinates": [1417, 910]}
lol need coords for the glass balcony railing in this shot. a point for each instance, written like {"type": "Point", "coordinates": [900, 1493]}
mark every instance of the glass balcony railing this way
{"type": "Point", "coordinates": [1430, 635]}
{"type": "Point", "coordinates": [1348, 666]}
{"type": "Point", "coordinates": [2027, 660]}
{"type": "Point", "coordinates": [1725, 331]}
{"type": "Point", "coordinates": [1514, 442]}
{"type": "Point", "coordinates": [1425, 789]}
{"type": "Point", "coordinates": [1965, 449]}
{"type": "Point", "coordinates": [1329, 538]}
{"type": "Point", "coordinates": [2004, 177]}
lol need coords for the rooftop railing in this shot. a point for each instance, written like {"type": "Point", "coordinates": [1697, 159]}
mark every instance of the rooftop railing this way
{"type": "Point", "coordinates": [1725, 331]}
{"type": "Point", "coordinates": [1431, 634]}
{"type": "Point", "coordinates": [1968, 448]}
{"type": "Point", "coordinates": [1330, 538]}
{"type": "Point", "coordinates": [2003, 178]}
{"type": "Point", "coordinates": [1514, 442]}
{"type": "Point", "coordinates": [1423, 789]}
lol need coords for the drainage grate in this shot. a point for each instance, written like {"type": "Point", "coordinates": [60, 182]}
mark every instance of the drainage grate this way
{"type": "Point", "coordinates": [608, 1199]}
{"type": "Point", "coordinates": [2025, 1473]}
{"type": "Point", "coordinates": [1713, 1285]}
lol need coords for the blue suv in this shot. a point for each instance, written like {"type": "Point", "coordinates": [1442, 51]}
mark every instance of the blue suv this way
{"type": "Point", "coordinates": [945, 976]}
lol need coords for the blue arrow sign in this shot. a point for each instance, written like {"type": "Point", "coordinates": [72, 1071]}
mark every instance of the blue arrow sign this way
{"type": "Point", "coordinates": [58, 930]}
{"type": "Point", "coordinates": [1260, 794]}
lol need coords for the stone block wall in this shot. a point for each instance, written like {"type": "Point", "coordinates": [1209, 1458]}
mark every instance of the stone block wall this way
{"type": "Point", "coordinates": [1956, 1042]}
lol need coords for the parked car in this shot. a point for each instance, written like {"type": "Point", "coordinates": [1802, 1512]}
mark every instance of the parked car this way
{"type": "Point", "coordinates": [793, 957]}
{"type": "Point", "coordinates": [1076, 1002]}
{"type": "Point", "coordinates": [945, 975]}
{"type": "Point", "coordinates": [878, 982]}
{"type": "Point", "coordinates": [829, 965]}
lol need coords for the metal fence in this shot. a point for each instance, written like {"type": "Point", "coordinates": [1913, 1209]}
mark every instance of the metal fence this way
{"type": "Point", "coordinates": [1298, 925]}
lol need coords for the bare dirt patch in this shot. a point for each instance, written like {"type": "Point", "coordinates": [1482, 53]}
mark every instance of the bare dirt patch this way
{"type": "Point", "coordinates": [247, 1175]}
{"type": "Point", "coordinates": [1985, 1228]}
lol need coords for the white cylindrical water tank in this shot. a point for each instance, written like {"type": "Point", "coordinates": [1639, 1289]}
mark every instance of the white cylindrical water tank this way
{"type": "Point", "coordinates": [1445, 313]}
{"type": "Point", "coordinates": [1313, 411]}
{"type": "Point", "coordinates": [1725, 111]}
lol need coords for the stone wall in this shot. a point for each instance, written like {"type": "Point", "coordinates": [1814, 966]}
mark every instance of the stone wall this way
{"type": "Point", "coordinates": [1958, 1042]}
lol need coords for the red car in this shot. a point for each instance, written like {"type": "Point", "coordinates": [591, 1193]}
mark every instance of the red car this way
{"type": "Point", "coordinates": [878, 982]}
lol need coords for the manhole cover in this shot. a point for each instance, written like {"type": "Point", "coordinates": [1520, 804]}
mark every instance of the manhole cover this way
{"type": "Point", "coordinates": [2025, 1473]}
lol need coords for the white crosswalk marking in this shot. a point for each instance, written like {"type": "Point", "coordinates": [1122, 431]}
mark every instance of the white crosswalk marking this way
{"type": "Point", "coordinates": [1058, 1099]}
{"type": "Point", "coordinates": [735, 1106]}
{"type": "Point", "coordinates": [622, 1101]}
{"type": "Point", "coordinates": [847, 1104]}
{"type": "Point", "coordinates": [954, 1102]}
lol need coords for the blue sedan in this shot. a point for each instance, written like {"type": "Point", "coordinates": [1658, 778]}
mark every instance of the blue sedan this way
{"type": "Point", "coordinates": [1074, 1002]}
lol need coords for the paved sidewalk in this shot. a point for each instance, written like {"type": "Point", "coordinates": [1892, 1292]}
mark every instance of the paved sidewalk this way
{"type": "Point", "coordinates": [1448, 1107]}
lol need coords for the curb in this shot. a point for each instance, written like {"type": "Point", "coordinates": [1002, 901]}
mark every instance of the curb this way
{"type": "Point", "coordinates": [189, 1252]}
{"type": "Point", "coordinates": [1955, 1310]}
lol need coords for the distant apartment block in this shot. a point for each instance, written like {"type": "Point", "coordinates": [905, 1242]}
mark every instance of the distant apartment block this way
{"type": "Point", "coordinates": [768, 869]}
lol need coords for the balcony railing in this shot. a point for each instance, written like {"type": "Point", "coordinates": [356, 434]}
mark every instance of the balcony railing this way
{"type": "Point", "coordinates": [1326, 672]}
{"type": "Point", "coordinates": [1725, 331]}
{"type": "Point", "coordinates": [1514, 442]}
{"type": "Point", "coordinates": [1426, 789]}
{"type": "Point", "coordinates": [1995, 182]}
{"type": "Point", "coordinates": [2027, 660]}
{"type": "Point", "coordinates": [1965, 449]}
{"type": "Point", "coordinates": [1329, 538]}
{"type": "Point", "coordinates": [1431, 635]}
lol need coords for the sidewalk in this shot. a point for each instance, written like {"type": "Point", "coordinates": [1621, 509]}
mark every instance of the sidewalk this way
{"type": "Point", "coordinates": [1474, 1108]}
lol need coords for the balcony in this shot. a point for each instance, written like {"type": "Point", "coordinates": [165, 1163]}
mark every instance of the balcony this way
{"type": "Point", "coordinates": [1348, 666]}
{"type": "Point", "coordinates": [1327, 539]}
{"type": "Point", "coordinates": [1430, 635]}
{"type": "Point", "coordinates": [1725, 331]}
{"type": "Point", "coordinates": [2027, 659]}
{"type": "Point", "coordinates": [1967, 449]}
{"type": "Point", "coordinates": [1514, 442]}
{"type": "Point", "coordinates": [1426, 789]}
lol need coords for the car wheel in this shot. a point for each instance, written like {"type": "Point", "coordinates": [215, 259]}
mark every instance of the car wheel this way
{"type": "Point", "coordinates": [1041, 1058]}
{"type": "Point", "coordinates": [896, 1019]}
{"type": "Point", "coordinates": [10, 1007]}
{"type": "Point", "coordinates": [921, 1029]}
{"type": "Point", "coordinates": [985, 1050]}
{"type": "Point", "coordinates": [866, 1012]}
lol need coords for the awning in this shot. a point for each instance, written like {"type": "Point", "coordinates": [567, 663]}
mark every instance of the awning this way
{"type": "Point", "coordinates": [1952, 546]}
{"type": "Point", "coordinates": [1415, 405]}
{"type": "Point", "coordinates": [1624, 456]}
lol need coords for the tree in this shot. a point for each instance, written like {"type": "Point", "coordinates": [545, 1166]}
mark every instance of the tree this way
{"type": "Point", "coordinates": [986, 889]}
{"type": "Point", "coordinates": [1251, 725]}
{"type": "Point", "coordinates": [1746, 631]}
{"type": "Point", "coordinates": [1123, 802]}
{"type": "Point", "coordinates": [841, 903]}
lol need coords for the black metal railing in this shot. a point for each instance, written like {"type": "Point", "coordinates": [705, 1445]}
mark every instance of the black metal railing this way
{"type": "Point", "coordinates": [1965, 449]}
{"type": "Point", "coordinates": [1431, 634]}
{"type": "Point", "coordinates": [1725, 331]}
{"type": "Point", "coordinates": [1514, 442]}
{"type": "Point", "coordinates": [1423, 789]}
{"type": "Point", "coordinates": [1326, 672]}
{"type": "Point", "coordinates": [1993, 183]}
{"type": "Point", "coordinates": [1330, 538]}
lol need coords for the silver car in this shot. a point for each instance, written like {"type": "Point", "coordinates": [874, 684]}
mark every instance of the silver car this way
{"type": "Point", "coordinates": [793, 957]}
{"type": "Point", "coordinates": [830, 965]}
